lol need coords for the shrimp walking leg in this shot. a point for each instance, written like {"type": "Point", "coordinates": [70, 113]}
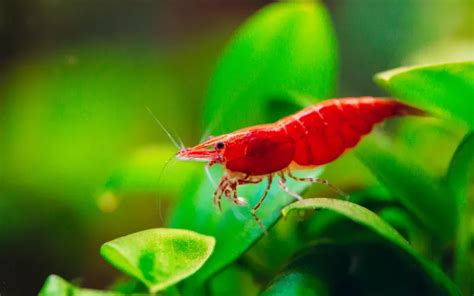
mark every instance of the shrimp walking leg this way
{"type": "Point", "coordinates": [253, 211]}
{"type": "Point", "coordinates": [236, 199]}
{"type": "Point", "coordinates": [220, 191]}
{"type": "Point", "coordinates": [285, 188]}
{"type": "Point", "coordinates": [320, 181]}
{"type": "Point", "coordinates": [231, 191]}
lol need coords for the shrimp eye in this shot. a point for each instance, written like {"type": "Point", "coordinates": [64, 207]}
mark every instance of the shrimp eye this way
{"type": "Point", "coordinates": [220, 145]}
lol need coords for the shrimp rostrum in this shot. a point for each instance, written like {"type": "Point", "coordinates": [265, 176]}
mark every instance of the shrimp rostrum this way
{"type": "Point", "coordinates": [314, 136]}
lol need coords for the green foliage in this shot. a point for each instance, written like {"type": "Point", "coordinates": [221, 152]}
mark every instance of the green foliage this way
{"type": "Point", "coordinates": [224, 283]}
{"type": "Point", "coordinates": [312, 273]}
{"type": "Point", "coordinates": [394, 236]}
{"type": "Point", "coordinates": [369, 219]}
{"type": "Point", "coordinates": [460, 176]}
{"type": "Point", "coordinates": [441, 89]}
{"type": "Point", "coordinates": [330, 268]}
{"type": "Point", "coordinates": [282, 55]}
{"type": "Point", "coordinates": [429, 200]}
{"type": "Point", "coordinates": [298, 281]}
{"type": "Point", "coordinates": [159, 257]}
{"type": "Point", "coordinates": [235, 229]}
{"type": "Point", "coordinates": [57, 286]}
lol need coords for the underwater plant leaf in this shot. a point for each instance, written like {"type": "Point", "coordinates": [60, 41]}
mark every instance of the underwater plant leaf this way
{"type": "Point", "coordinates": [415, 188]}
{"type": "Point", "coordinates": [331, 267]}
{"type": "Point", "coordinates": [57, 286]}
{"type": "Point", "coordinates": [224, 282]}
{"type": "Point", "coordinates": [159, 257]}
{"type": "Point", "coordinates": [297, 282]}
{"type": "Point", "coordinates": [284, 54]}
{"type": "Point", "coordinates": [311, 273]}
{"type": "Point", "coordinates": [369, 219]}
{"type": "Point", "coordinates": [460, 178]}
{"type": "Point", "coordinates": [235, 229]}
{"type": "Point", "coordinates": [442, 89]}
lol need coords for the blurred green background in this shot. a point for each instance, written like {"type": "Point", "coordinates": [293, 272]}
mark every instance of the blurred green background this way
{"type": "Point", "coordinates": [76, 140]}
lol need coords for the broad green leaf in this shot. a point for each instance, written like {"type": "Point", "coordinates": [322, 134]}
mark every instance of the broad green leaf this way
{"type": "Point", "coordinates": [127, 285]}
{"type": "Point", "coordinates": [445, 89]}
{"type": "Point", "coordinates": [354, 212]}
{"type": "Point", "coordinates": [331, 267]}
{"type": "Point", "coordinates": [159, 257]}
{"type": "Point", "coordinates": [416, 189]}
{"type": "Point", "coordinates": [399, 219]}
{"type": "Point", "coordinates": [297, 282]}
{"type": "Point", "coordinates": [224, 282]}
{"type": "Point", "coordinates": [235, 229]}
{"type": "Point", "coordinates": [369, 219]}
{"type": "Point", "coordinates": [414, 137]}
{"type": "Point", "coordinates": [332, 225]}
{"type": "Point", "coordinates": [460, 178]}
{"type": "Point", "coordinates": [57, 286]}
{"type": "Point", "coordinates": [291, 236]}
{"type": "Point", "coordinates": [283, 54]}
{"type": "Point", "coordinates": [312, 273]}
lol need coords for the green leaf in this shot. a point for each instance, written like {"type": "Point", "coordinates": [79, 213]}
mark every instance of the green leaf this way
{"type": "Point", "coordinates": [159, 257]}
{"type": "Point", "coordinates": [416, 189]}
{"type": "Point", "coordinates": [283, 54]}
{"type": "Point", "coordinates": [127, 285]}
{"type": "Point", "coordinates": [235, 229]}
{"type": "Point", "coordinates": [369, 219]}
{"type": "Point", "coordinates": [354, 212]}
{"type": "Point", "coordinates": [311, 273]}
{"type": "Point", "coordinates": [445, 89]}
{"type": "Point", "coordinates": [399, 219]}
{"type": "Point", "coordinates": [331, 267]}
{"type": "Point", "coordinates": [291, 236]}
{"type": "Point", "coordinates": [57, 286]}
{"type": "Point", "coordinates": [460, 177]}
{"type": "Point", "coordinates": [224, 283]}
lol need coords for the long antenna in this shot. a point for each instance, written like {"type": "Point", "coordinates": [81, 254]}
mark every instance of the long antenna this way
{"type": "Point", "coordinates": [164, 129]}
{"type": "Point", "coordinates": [205, 135]}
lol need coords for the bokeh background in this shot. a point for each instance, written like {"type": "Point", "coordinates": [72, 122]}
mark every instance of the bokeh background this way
{"type": "Point", "coordinates": [77, 76]}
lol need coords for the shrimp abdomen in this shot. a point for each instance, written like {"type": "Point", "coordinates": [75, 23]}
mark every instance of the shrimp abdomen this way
{"type": "Point", "coordinates": [322, 132]}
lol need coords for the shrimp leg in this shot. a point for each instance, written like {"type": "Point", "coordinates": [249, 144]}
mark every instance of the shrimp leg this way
{"type": "Point", "coordinates": [237, 200]}
{"type": "Point", "coordinates": [284, 187]}
{"type": "Point", "coordinates": [220, 191]}
{"type": "Point", "coordinates": [253, 211]}
{"type": "Point", "coordinates": [320, 181]}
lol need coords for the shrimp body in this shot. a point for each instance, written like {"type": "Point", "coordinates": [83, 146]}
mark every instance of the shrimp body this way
{"type": "Point", "coordinates": [314, 136]}
{"type": "Point", "coordinates": [311, 137]}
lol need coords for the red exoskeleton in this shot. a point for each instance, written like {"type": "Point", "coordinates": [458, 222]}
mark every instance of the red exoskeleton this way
{"type": "Point", "coordinates": [314, 136]}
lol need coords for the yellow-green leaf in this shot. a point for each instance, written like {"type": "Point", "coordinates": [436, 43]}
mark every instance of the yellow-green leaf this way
{"type": "Point", "coordinates": [57, 286]}
{"type": "Point", "coordinates": [159, 257]}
